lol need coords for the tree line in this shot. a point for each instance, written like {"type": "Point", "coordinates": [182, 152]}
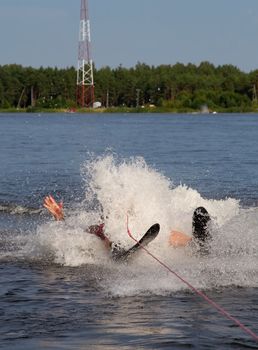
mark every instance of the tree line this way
{"type": "Point", "coordinates": [176, 87]}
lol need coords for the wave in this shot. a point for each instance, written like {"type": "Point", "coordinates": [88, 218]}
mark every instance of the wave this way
{"type": "Point", "coordinates": [16, 209]}
{"type": "Point", "coordinates": [130, 187]}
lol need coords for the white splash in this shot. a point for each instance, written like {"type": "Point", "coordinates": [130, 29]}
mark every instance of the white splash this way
{"type": "Point", "coordinates": [131, 187]}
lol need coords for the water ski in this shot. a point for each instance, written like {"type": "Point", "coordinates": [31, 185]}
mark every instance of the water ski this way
{"type": "Point", "coordinates": [119, 254]}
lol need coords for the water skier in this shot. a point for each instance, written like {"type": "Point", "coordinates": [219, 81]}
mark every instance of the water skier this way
{"type": "Point", "coordinates": [200, 230]}
{"type": "Point", "coordinates": [117, 252]}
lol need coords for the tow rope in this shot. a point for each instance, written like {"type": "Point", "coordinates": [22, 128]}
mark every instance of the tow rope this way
{"type": "Point", "coordinates": [219, 308]}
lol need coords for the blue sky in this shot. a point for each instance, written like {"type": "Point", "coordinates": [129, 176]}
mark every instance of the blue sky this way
{"type": "Point", "coordinates": [45, 32]}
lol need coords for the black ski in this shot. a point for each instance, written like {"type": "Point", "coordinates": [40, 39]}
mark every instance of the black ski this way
{"type": "Point", "coordinates": [119, 254]}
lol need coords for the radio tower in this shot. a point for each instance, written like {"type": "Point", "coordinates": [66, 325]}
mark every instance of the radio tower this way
{"type": "Point", "coordinates": [85, 83]}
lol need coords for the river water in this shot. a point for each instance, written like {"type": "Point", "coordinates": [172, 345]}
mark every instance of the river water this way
{"type": "Point", "coordinates": [60, 289]}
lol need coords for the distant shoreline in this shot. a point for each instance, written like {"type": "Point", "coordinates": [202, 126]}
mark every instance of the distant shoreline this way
{"type": "Point", "coordinates": [128, 110]}
{"type": "Point", "coordinates": [178, 88]}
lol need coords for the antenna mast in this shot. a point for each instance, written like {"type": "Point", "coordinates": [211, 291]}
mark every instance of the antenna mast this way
{"type": "Point", "coordinates": [85, 82]}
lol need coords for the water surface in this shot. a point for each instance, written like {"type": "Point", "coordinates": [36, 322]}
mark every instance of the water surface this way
{"type": "Point", "coordinates": [60, 289]}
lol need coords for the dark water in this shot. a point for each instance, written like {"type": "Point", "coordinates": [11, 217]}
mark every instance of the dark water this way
{"type": "Point", "coordinates": [58, 287]}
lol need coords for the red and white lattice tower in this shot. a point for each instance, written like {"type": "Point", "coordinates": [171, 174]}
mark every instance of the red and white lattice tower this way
{"type": "Point", "coordinates": [85, 82]}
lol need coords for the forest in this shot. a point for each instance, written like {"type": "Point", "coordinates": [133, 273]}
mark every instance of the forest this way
{"type": "Point", "coordinates": [175, 88]}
